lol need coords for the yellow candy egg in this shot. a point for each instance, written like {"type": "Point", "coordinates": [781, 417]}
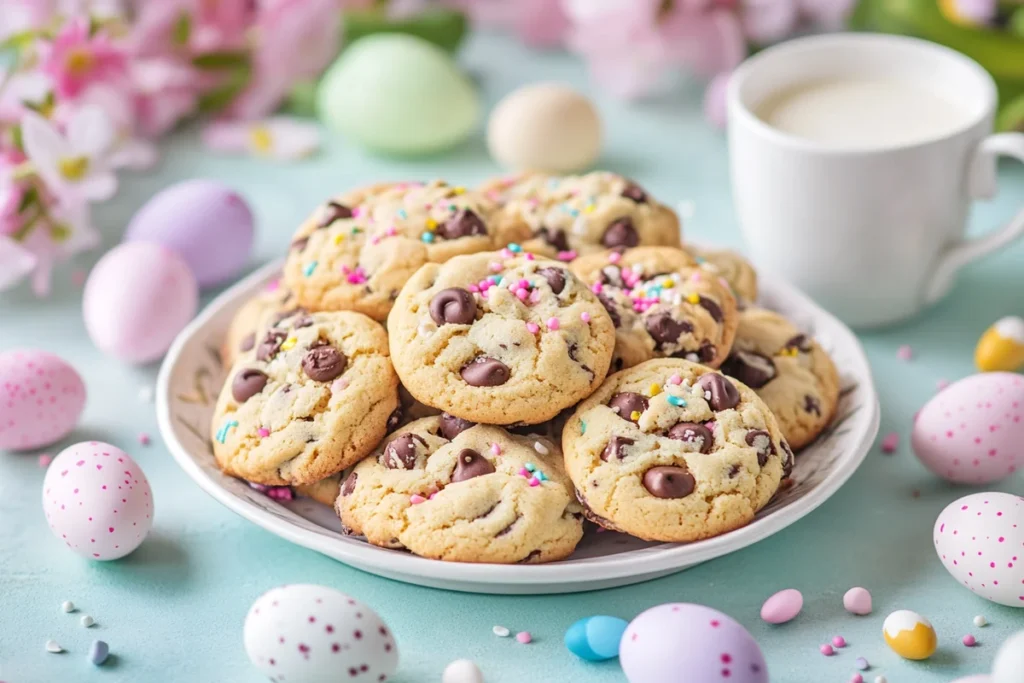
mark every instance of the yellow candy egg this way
{"type": "Point", "coordinates": [1001, 348]}
{"type": "Point", "coordinates": [909, 635]}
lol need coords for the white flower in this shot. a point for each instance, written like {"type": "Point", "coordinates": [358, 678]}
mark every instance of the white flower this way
{"type": "Point", "coordinates": [278, 137]}
{"type": "Point", "coordinates": [74, 165]}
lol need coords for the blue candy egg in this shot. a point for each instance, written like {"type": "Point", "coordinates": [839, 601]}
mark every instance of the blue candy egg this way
{"type": "Point", "coordinates": [595, 638]}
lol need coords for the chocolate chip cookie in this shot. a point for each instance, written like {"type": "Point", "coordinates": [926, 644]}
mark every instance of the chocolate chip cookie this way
{"type": "Point", "coordinates": [275, 299]}
{"type": "Point", "coordinates": [500, 338]}
{"type": "Point", "coordinates": [674, 451]}
{"type": "Point", "coordinates": [736, 270]}
{"type": "Point", "coordinates": [568, 216]}
{"type": "Point", "coordinates": [356, 251]}
{"type": "Point", "coordinates": [450, 490]}
{"type": "Point", "coordinates": [662, 304]}
{"type": "Point", "coordinates": [313, 398]}
{"type": "Point", "coordinates": [788, 370]}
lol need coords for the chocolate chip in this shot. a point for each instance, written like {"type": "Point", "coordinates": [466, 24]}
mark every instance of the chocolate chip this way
{"type": "Point", "coordinates": [483, 371]}
{"type": "Point", "coordinates": [811, 405]}
{"type": "Point", "coordinates": [509, 527]}
{"type": "Point", "coordinates": [692, 432]}
{"type": "Point", "coordinates": [720, 393]}
{"type": "Point", "coordinates": [620, 233]}
{"type": "Point", "coordinates": [350, 484]}
{"type": "Point", "coordinates": [733, 471]}
{"type": "Point", "coordinates": [609, 306]}
{"type": "Point", "coordinates": [248, 341]}
{"type": "Point", "coordinates": [247, 383]}
{"type": "Point", "coordinates": [752, 368]}
{"type": "Point", "coordinates": [669, 482]}
{"type": "Point", "coordinates": [299, 244]}
{"type": "Point", "coordinates": [626, 403]}
{"type": "Point", "coordinates": [400, 454]}
{"type": "Point", "coordinates": [470, 464]}
{"type": "Point", "coordinates": [270, 345]}
{"type": "Point", "coordinates": [665, 329]}
{"type": "Point", "coordinates": [799, 342]}
{"type": "Point", "coordinates": [276, 319]}
{"type": "Point", "coordinates": [573, 355]}
{"type": "Point", "coordinates": [464, 223]}
{"type": "Point", "coordinates": [302, 321]}
{"type": "Point", "coordinates": [761, 441]}
{"type": "Point", "coordinates": [394, 419]}
{"type": "Point", "coordinates": [453, 305]}
{"type": "Point", "coordinates": [789, 462]}
{"type": "Point", "coordinates": [332, 212]}
{"type": "Point", "coordinates": [555, 278]}
{"type": "Point", "coordinates": [533, 554]}
{"type": "Point", "coordinates": [613, 451]}
{"type": "Point", "coordinates": [324, 363]}
{"type": "Point", "coordinates": [707, 352]}
{"type": "Point", "coordinates": [636, 193]}
{"type": "Point", "coordinates": [452, 426]}
{"type": "Point", "coordinates": [711, 307]}
{"type": "Point", "coordinates": [555, 237]}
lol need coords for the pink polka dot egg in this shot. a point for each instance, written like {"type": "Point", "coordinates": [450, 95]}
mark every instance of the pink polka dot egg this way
{"type": "Point", "coordinates": [303, 633]}
{"type": "Point", "coordinates": [678, 641]}
{"type": "Point", "coordinates": [41, 399]}
{"type": "Point", "coordinates": [971, 431]}
{"type": "Point", "coordinates": [97, 500]}
{"type": "Point", "coordinates": [980, 540]}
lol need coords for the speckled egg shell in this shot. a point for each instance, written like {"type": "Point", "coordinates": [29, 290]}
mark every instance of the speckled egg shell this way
{"type": "Point", "coordinates": [398, 94]}
{"type": "Point", "coordinates": [980, 540]}
{"type": "Point", "coordinates": [668, 640]}
{"type": "Point", "coordinates": [97, 500]}
{"type": "Point", "coordinates": [971, 431]}
{"type": "Point", "coordinates": [304, 633]}
{"type": "Point", "coordinates": [205, 222]}
{"type": "Point", "coordinates": [41, 399]}
{"type": "Point", "coordinates": [137, 299]}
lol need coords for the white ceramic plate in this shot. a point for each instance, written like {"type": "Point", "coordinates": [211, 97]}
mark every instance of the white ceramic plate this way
{"type": "Point", "coordinates": [191, 377]}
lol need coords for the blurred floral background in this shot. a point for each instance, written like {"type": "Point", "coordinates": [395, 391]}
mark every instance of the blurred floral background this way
{"type": "Point", "coordinates": [87, 88]}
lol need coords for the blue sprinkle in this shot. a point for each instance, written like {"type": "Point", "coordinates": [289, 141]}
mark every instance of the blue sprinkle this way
{"type": "Point", "coordinates": [427, 237]}
{"type": "Point", "coordinates": [542, 476]}
{"type": "Point", "coordinates": [514, 248]}
{"type": "Point", "coordinates": [583, 427]}
{"type": "Point", "coordinates": [699, 259]}
{"type": "Point", "coordinates": [530, 467]}
{"type": "Point", "coordinates": [308, 270]}
{"type": "Point", "coordinates": [677, 402]}
{"type": "Point", "coordinates": [222, 435]}
{"type": "Point", "coordinates": [496, 279]}
{"type": "Point", "coordinates": [98, 652]}
{"type": "Point", "coordinates": [574, 212]}
{"type": "Point", "coordinates": [402, 213]}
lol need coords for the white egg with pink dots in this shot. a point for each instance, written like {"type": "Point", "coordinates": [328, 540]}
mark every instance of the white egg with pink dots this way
{"type": "Point", "coordinates": [304, 633]}
{"type": "Point", "coordinates": [97, 500]}
{"type": "Point", "coordinates": [980, 540]}
{"type": "Point", "coordinates": [41, 399]}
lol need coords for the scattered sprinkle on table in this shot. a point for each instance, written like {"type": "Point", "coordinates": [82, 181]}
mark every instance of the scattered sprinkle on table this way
{"type": "Point", "coordinates": [44, 460]}
{"type": "Point", "coordinates": [144, 439]}
{"type": "Point", "coordinates": [67, 606]}
{"type": "Point", "coordinates": [890, 442]}
{"type": "Point", "coordinates": [969, 640]}
{"type": "Point", "coordinates": [501, 631]}
{"type": "Point", "coordinates": [980, 621]}
{"type": "Point", "coordinates": [540, 448]}
{"type": "Point", "coordinates": [826, 650]}
{"type": "Point", "coordinates": [98, 652]}
{"type": "Point", "coordinates": [861, 664]}
{"type": "Point", "coordinates": [86, 621]}
{"type": "Point", "coordinates": [905, 352]}
{"type": "Point", "coordinates": [941, 384]}
{"type": "Point", "coordinates": [839, 641]}
{"type": "Point", "coordinates": [524, 638]}
{"type": "Point", "coordinates": [881, 679]}
{"type": "Point", "coordinates": [52, 646]}
{"type": "Point", "coordinates": [856, 678]}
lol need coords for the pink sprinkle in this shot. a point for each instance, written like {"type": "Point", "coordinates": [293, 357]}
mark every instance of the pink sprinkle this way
{"type": "Point", "coordinates": [596, 288]}
{"type": "Point", "coordinates": [566, 255]}
{"type": "Point", "coordinates": [45, 459]}
{"type": "Point", "coordinates": [431, 496]}
{"type": "Point", "coordinates": [553, 323]}
{"type": "Point", "coordinates": [339, 385]}
{"type": "Point", "coordinates": [585, 317]}
{"type": "Point", "coordinates": [857, 678]}
{"type": "Point", "coordinates": [474, 289]}
{"type": "Point", "coordinates": [356, 211]}
{"type": "Point", "coordinates": [521, 294]}
{"type": "Point", "coordinates": [263, 432]}
{"type": "Point", "coordinates": [417, 499]}
{"type": "Point", "coordinates": [535, 296]}
{"type": "Point", "coordinates": [524, 283]}
{"type": "Point", "coordinates": [970, 640]}
{"type": "Point", "coordinates": [905, 352]}
{"type": "Point", "coordinates": [675, 379]}
{"type": "Point", "coordinates": [533, 328]}
{"type": "Point", "coordinates": [614, 257]}
{"type": "Point", "coordinates": [144, 439]}
{"type": "Point", "coordinates": [529, 256]}
{"type": "Point", "coordinates": [495, 267]}
{"type": "Point", "coordinates": [839, 641]}
{"type": "Point", "coordinates": [534, 481]}
{"type": "Point", "coordinates": [890, 442]}
{"type": "Point", "coordinates": [506, 253]}
{"type": "Point", "coordinates": [495, 448]}
{"type": "Point", "coordinates": [524, 637]}
{"type": "Point", "coordinates": [273, 284]}
{"type": "Point", "coordinates": [695, 276]}
{"type": "Point", "coordinates": [826, 650]}
{"type": "Point", "coordinates": [524, 472]}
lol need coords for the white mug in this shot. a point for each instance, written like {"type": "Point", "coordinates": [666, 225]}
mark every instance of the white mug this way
{"type": "Point", "coordinates": [874, 234]}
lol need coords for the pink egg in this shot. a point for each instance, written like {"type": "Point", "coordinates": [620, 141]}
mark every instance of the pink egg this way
{"type": "Point", "coordinates": [980, 540]}
{"type": "Point", "coordinates": [971, 431]}
{"type": "Point", "coordinates": [137, 299]}
{"type": "Point", "coordinates": [783, 606]}
{"type": "Point", "coordinates": [41, 399]}
{"type": "Point", "coordinates": [97, 500]}
{"type": "Point", "coordinates": [304, 633]}
{"type": "Point", "coordinates": [677, 641]}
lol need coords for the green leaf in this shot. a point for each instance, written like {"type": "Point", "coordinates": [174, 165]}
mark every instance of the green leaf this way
{"type": "Point", "coordinates": [182, 29]}
{"type": "Point", "coordinates": [18, 41]}
{"type": "Point", "coordinates": [221, 60]}
{"type": "Point", "coordinates": [441, 26]}
{"type": "Point", "coordinates": [16, 140]}
{"type": "Point", "coordinates": [30, 197]}
{"type": "Point", "coordinates": [221, 96]}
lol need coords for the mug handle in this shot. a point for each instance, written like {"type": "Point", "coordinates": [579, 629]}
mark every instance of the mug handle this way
{"type": "Point", "coordinates": [981, 182]}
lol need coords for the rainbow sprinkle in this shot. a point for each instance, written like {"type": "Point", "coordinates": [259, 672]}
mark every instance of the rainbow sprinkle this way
{"type": "Point", "coordinates": [585, 317]}
{"type": "Point", "coordinates": [289, 343]}
{"type": "Point", "coordinates": [583, 427]}
{"type": "Point", "coordinates": [222, 433]}
{"type": "Point", "coordinates": [263, 432]}
{"type": "Point", "coordinates": [533, 328]}
{"type": "Point", "coordinates": [427, 237]}
{"type": "Point", "coordinates": [310, 267]}
{"type": "Point", "coordinates": [675, 379]}
{"type": "Point", "coordinates": [514, 248]}
{"type": "Point", "coordinates": [677, 402]}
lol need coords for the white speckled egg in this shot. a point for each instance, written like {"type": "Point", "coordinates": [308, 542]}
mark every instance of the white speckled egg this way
{"type": "Point", "coordinates": [41, 399]}
{"type": "Point", "coordinates": [544, 127]}
{"type": "Point", "coordinates": [971, 431]}
{"type": "Point", "coordinates": [97, 500]}
{"type": "Point", "coordinates": [304, 633]}
{"type": "Point", "coordinates": [980, 540]}
{"type": "Point", "coordinates": [1008, 666]}
{"type": "Point", "coordinates": [137, 299]}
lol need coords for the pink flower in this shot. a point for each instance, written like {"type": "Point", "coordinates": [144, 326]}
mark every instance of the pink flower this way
{"type": "Point", "coordinates": [539, 23]}
{"type": "Point", "coordinates": [279, 137]}
{"type": "Point", "coordinates": [77, 60]}
{"type": "Point", "coordinates": [166, 26]}
{"type": "Point", "coordinates": [768, 21]}
{"type": "Point", "coordinates": [714, 100]}
{"type": "Point", "coordinates": [164, 91]}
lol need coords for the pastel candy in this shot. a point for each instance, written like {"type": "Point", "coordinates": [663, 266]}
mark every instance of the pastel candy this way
{"type": "Point", "coordinates": [41, 399]}
{"type": "Point", "coordinates": [783, 606]}
{"type": "Point", "coordinates": [857, 601]}
{"type": "Point", "coordinates": [595, 638]}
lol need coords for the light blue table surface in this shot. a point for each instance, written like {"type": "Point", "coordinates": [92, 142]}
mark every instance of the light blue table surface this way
{"type": "Point", "coordinates": [173, 611]}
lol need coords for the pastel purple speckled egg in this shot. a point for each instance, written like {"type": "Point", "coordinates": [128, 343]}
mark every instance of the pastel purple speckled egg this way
{"type": "Point", "coordinates": [304, 633]}
{"type": "Point", "coordinates": [41, 399]}
{"type": "Point", "coordinates": [680, 641]}
{"type": "Point", "coordinates": [97, 500]}
{"type": "Point", "coordinates": [137, 299]}
{"type": "Point", "coordinates": [970, 433]}
{"type": "Point", "coordinates": [206, 222]}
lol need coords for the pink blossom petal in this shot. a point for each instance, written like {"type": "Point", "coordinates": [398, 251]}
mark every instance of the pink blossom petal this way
{"type": "Point", "coordinates": [16, 262]}
{"type": "Point", "coordinates": [714, 101]}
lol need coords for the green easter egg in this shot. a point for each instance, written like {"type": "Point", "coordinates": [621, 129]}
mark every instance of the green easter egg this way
{"type": "Point", "coordinates": [397, 94]}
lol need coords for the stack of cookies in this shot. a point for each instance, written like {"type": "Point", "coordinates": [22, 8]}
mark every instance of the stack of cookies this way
{"type": "Point", "coordinates": [470, 374]}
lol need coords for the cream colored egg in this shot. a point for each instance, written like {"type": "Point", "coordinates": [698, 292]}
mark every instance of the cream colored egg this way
{"type": "Point", "coordinates": [544, 127]}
